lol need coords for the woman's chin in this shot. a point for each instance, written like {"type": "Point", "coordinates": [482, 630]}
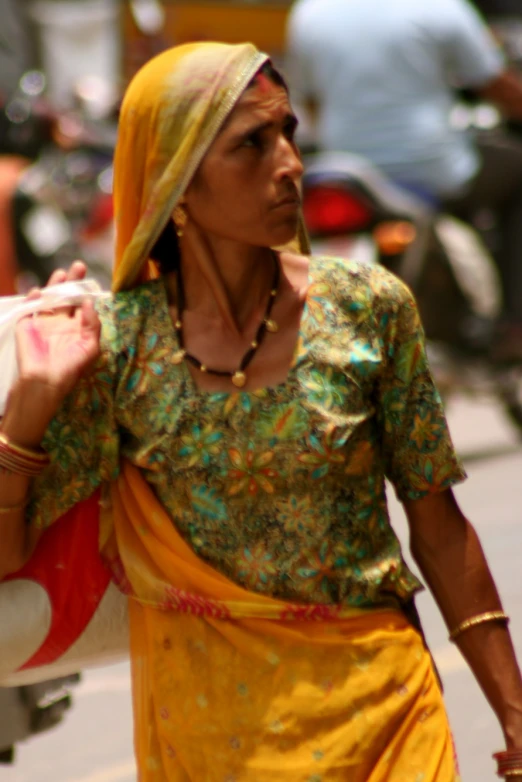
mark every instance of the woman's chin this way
{"type": "Point", "coordinates": [285, 234]}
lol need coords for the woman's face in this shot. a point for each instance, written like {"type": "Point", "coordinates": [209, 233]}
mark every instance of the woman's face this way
{"type": "Point", "coordinates": [247, 188]}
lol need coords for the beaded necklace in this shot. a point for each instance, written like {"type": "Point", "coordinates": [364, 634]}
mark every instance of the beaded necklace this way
{"type": "Point", "coordinates": [237, 376]}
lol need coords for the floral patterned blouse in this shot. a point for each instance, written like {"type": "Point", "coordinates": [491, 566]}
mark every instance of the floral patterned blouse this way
{"type": "Point", "coordinates": [282, 490]}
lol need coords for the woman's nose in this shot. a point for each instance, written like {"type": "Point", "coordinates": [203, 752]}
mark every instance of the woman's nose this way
{"type": "Point", "coordinates": [290, 163]}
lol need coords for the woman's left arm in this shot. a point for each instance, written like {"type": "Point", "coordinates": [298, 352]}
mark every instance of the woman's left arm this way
{"type": "Point", "coordinates": [448, 552]}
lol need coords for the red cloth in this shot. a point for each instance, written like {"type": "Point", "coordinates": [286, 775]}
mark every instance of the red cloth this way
{"type": "Point", "coordinates": [67, 564]}
{"type": "Point", "coordinates": [10, 170]}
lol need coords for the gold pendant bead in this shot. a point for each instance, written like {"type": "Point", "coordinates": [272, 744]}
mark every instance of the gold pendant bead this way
{"type": "Point", "coordinates": [239, 379]}
{"type": "Point", "coordinates": [271, 326]}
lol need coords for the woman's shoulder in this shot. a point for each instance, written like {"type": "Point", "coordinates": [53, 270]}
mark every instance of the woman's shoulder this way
{"type": "Point", "coordinates": [134, 303]}
{"type": "Point", "coordinates": [348, 280]}
{"type": "Point", "coordinates": [123, 315]}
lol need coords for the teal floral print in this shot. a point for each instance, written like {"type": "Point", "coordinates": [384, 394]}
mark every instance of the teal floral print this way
{"type": "Point", "coordinates": [200, 445]}
{"type": "Point", "coordinates": [250, 472]}
{"type": "Point", "coordinates": [256, 567]}
{"type": "Point", "coordinates": [207, 503]}
{"type": "Point", "coordinates": [326, 388]}
{"type": "Point", "coordinates": [149, 362]}
{"type": "Point", "coordinates": [282, 489]}
{"type": "Point", "coordinates": [297, 514]}
{"type": "Point", "coordinates": [322, 454]}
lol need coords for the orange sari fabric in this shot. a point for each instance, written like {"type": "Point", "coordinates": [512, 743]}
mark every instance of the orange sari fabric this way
{"type": "Point", "coordinates": [232, 685]}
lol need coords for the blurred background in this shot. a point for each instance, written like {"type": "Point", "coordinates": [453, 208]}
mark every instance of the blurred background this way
{"type": "Point", "coordinates": [64, 65]}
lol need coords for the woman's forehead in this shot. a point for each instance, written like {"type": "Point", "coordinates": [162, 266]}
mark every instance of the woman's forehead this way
{"type": "Point", "coordinates": [258, 102]}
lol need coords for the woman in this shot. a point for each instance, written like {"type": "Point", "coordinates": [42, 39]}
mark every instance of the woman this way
{"type": "Point", "coordinates": [244, 408]}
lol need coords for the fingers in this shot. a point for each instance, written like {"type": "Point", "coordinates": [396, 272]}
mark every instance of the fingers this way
{"type": "Point", "coordinates": [76, 271]}
{"type": "Point", "coordinates": [90, 323]}
{"type": "Point", "coordinates": [89, 316]}
{"type": "Point", "coordinates": [58, 276]}
{"type": "Point", "coordinates": [34, 293]}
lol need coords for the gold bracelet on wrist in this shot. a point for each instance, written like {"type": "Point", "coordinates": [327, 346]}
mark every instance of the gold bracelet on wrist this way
{"type": "Point", "coordinates": [36, 454]}
{"type": "Point", "coordinates": [4, 510]}
{"type": "Point", "coordinates": [22, 461]}
{"type": "Point", "coordinates": [473, 621]}
{"type": "Point", "coordinates": [509, 763]}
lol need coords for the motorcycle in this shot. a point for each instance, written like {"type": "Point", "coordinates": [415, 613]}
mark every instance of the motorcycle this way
{"type": "Point", "coordinates": [352, 210]}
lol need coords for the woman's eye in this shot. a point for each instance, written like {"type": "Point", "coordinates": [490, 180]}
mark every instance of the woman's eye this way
{"type": "Point", "coordinates": [254, 141]}
{"type": "Point", "coordinates": [289, 131]}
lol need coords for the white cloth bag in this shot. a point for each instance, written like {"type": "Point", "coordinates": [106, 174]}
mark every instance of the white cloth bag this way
{"type": "Point", "coordinates": [25, 608]}
{"type": "Point", "coordinates": [13, 308]}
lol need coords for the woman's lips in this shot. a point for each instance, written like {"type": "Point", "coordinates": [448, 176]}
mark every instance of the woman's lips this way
{"type": "Point", "coordinates": [289, 202]}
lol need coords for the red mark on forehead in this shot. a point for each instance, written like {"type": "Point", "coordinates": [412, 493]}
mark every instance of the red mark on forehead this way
{"type": "Point", "coordinates": [263, 82]}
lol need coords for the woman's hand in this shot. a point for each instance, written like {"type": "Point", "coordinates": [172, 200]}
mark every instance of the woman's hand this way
{"type": "Point", "coordinates": [54, 349]}
{"type": "Point", "coordinates": [76, 271]}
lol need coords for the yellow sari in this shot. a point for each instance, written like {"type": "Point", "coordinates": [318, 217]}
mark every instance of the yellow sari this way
{"type": "Point", "coordinates": [230, 685]}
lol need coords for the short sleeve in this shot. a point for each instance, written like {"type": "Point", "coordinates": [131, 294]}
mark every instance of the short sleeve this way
{"type": "Point", "coordinates": [472, 56]}
{"type": "Point", "coordinates": [419, 457]}
{"type": "Point", "coordinates": [82, 440]}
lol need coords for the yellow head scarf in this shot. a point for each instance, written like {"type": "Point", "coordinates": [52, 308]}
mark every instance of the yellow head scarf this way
{"type": "Point", "coordinates": [171, 114]}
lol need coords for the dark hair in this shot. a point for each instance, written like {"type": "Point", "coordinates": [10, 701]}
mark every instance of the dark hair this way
{"type": "Point", "coordinates": [271, 73]}
{"type": "Point", "coordinates": [166, 252]}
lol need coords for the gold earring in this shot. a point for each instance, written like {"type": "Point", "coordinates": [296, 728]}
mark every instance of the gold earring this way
{"type": "Point", "coordinates": [180, 220]}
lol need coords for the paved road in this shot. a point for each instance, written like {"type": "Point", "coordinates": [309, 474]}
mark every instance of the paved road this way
{"type": "Point", "coordinates": [94, 744]}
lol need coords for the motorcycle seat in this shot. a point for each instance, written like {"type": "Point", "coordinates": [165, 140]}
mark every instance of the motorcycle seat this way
{"type": "Point", "coordinates": [359, 173]}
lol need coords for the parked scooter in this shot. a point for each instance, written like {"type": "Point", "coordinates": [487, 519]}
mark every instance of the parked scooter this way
{"type": "Point", "coordinates": [352, 210]}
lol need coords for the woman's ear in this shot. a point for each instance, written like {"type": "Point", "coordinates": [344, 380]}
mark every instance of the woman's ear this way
{"type": "Point", "coordinates": [180, 218]}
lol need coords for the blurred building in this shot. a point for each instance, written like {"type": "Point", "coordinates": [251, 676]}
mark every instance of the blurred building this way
{"type": "Point", "coordinates": [106, 41]}
{"type": "Point", "coordinates": [16, 54]}
{"type": "Point", "coordinates": [79, 46]}
{"type": "Point", "coordinates": [261, 22]}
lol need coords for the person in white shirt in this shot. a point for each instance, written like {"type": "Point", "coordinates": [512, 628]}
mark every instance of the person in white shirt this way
{"type": "Point", "coordinates": [379, 79]}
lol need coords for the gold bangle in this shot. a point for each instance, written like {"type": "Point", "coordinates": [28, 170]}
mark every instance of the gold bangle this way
{"type": "Point", "coordinates": [488, 616]}
{"type": "Point", "coordinates": [514, 772]}
{"type": "Point", "coordinates": [12, 508]}
{"type": "Point", "coordinates": [17, 468]}
{"type": "Point", "coordinates": [29, 453]}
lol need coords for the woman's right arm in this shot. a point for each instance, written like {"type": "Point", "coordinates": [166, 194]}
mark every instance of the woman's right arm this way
{"type": "Point", "coordinates": [53, 351]}
{"type": "Point", "coordinates": [25, 422]}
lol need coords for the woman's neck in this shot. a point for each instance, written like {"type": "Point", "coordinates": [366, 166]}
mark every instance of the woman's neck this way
{"type": "Point", "coordinates": [225, 282]}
